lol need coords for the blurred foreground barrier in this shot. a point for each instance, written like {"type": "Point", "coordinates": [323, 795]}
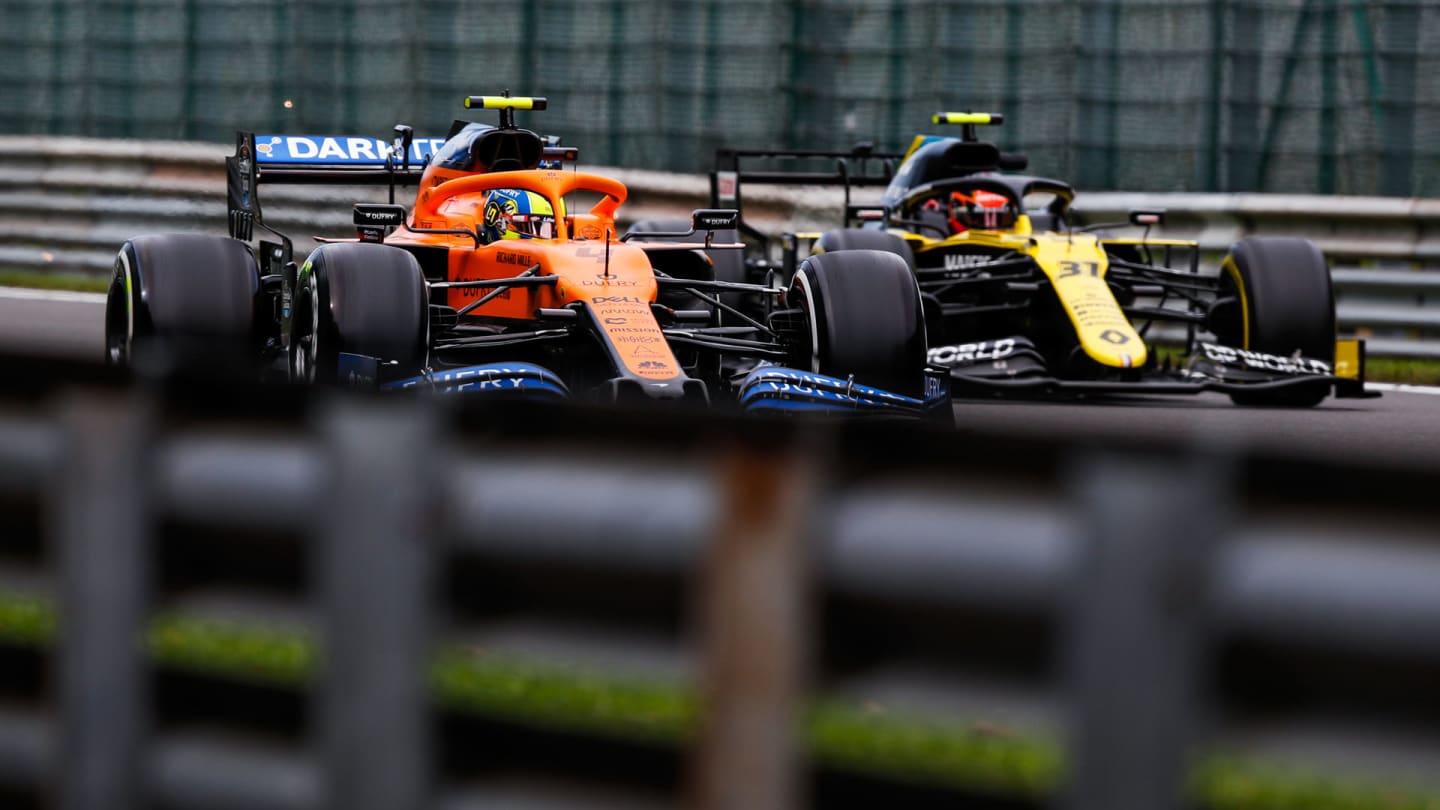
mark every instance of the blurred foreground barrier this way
{"type": "Point", "coordinates": [286, 598]}
{"type": "Point", "coordinates": [67, 204]}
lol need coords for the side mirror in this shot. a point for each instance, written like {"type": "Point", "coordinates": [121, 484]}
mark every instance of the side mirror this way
{"type": "Point", "coordinates": [714, 219]}
{"type": "Point", "coordinates": [701, 219]}
{"type": "Point", "coordinates": [379, 215]}
{"type": "Point", "coordinates": [373, 218]}
{"type": "Point", "coordinates": [1147, 217]}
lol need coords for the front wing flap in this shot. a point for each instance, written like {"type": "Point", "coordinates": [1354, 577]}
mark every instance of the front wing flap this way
{"type": "Point", "coordinates": [525, 381]}
{"type": "Point", "coordinates": [778, 390]}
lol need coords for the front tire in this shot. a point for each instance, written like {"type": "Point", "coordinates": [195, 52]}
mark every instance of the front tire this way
{"type": "Point", "coordinates": [1278, 299]}
{"type": "Point", "coordinates": [184, 300]}
{"type": "Point", "coordinates": [368, 300]}
{"type": "Point", "coordinates": [865, 239]}
{"type": "Point", "coordinates": [864, 318]}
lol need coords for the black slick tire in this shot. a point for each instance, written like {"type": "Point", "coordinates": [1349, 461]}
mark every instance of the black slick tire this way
{"type": "Point", "coordinates": [1280, 302]}
{"type": "Point", "coordinates": [187, 301]}
{"type": "Point", "coordinates": [864, 318]}
{"type": "Point", "coordinates": [362, 299]}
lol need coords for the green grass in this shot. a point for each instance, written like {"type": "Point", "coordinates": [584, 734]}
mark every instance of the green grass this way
{"type": "Point", "coordinates": [53, 281]}
{"type": "Point", "coordinates": [1409, 372]}
{"type": "Point", "coordinates": [863, 738]}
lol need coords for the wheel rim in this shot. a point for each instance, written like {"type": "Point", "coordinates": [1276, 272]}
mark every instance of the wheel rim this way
{"type": "Point", "coordinates": [812, 318]}
{"type": "Point", "coordinates": [305, 346]}
{"type": "Point", "coordinates": [117, 348]}
{"type": "Point", "coordinates": [119, 333]}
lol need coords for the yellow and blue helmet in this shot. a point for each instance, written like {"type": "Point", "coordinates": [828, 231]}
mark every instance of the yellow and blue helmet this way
{"type": "Point", "coordinates": [512, 213]}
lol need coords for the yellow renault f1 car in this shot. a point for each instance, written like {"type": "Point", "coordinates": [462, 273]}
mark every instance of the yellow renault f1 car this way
{"type": "Point", "coordinates": [1021, 301]}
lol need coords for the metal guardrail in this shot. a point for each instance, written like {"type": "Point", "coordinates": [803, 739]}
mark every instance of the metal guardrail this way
{"type": "Point", "coordinates": [66, 204]}
{"type": "Point", "coordinates": [1156, 600]}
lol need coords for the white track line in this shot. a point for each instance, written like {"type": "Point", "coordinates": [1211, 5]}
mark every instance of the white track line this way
{"type": "Point", "coordinates": [23, 294]}
{"type": "Point", "coordinates": [1402, 388]}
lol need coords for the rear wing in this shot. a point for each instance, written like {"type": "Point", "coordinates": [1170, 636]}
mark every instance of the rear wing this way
{"type": "Point", "coordinates": [329, 160]}
{"type": "Point", "coordinates": [342, 159]}
{"type": "Point", "coordinates": [860, 166]}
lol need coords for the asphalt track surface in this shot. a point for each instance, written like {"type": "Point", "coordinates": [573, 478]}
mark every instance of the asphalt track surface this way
{"type": "Point", "coordinates": [1402, 425]}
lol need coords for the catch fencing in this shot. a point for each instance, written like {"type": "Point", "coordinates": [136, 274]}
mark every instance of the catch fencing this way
{"type": "Point", "coordinates": [66, 205]}
{"type": "Point", "coordinates": [1289, 96]}
{"type": "Point", "coordinates": [1108, 624]}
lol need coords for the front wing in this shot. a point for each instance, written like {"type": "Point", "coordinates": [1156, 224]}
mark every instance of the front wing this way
{"type": "Point", "coordinates": [767, 390]}
{"type": "Point", "coordinates": [1011, 367]}
{"type": "Point", "coordinates": [777, 390]}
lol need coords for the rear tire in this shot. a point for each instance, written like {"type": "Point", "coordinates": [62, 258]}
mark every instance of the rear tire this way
{"type": "Point", "coordinates": [864, 318]}
{"type": "Point", "coordinates": [1284, 303]}
{"type": "Point", "coordinates": [188, 300]}
{"type": "Point", "coordinates": [368, 300]}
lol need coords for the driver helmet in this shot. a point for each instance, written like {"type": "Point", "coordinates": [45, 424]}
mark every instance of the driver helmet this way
{"type": "Point", "coordinates": [980, 209]}
{"type": "Point", "coordinates": [512, 213]}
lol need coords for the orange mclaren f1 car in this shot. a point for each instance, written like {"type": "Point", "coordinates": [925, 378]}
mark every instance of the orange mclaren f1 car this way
{"type": "Point", "coordinates": [508, 277]}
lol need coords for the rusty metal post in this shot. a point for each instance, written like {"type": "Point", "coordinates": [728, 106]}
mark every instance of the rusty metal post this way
{"type": "Point", "coordinates": [755, 618]}
{"type": "Point", "coordinates": [101, 524]}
